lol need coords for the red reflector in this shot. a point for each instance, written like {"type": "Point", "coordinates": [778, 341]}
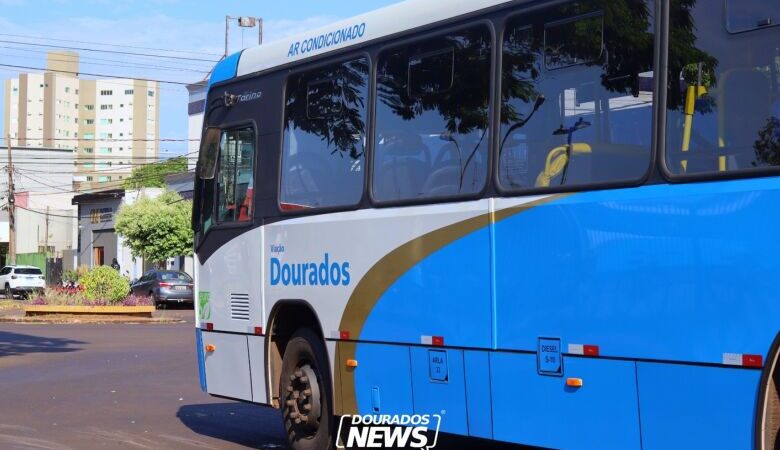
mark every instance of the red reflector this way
{"type": "Point", "coordinates": [752, 360]}
{"type": "Point", "coordinates": [165, 285]}
{"type": "Point", "coordinates": [590, 350]}
{"type": "Point", "coordinates": [344, 335]}
{"type": "Point", "coordinates": [258, 331]}
{"type": "Point", "coordinates": [209, 326]}
{"type": "Point", "coordinates": [292, 207]}
{"type": "Point", "coordinates": [438, 341]}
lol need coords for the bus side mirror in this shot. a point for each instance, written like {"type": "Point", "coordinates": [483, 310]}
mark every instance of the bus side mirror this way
{"type": "Point", "coordinates": [209, 152]}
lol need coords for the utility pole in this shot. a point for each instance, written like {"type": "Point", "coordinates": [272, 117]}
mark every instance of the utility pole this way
{"type": "Point", "coordinates": [11, 207]}
{"type": "Point", "coordinates": [46, 239]}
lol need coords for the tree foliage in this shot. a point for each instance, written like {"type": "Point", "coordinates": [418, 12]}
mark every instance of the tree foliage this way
{"type": "Point", "coordinates": [153, 175]}
{"type": "Point", "coordinates": [157, 228]}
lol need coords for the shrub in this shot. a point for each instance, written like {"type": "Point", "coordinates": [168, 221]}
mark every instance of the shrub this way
{"type": "Point", "coordinates": [138, 300]}
{"type": "Point", "coordinates": [70, 276]}
{"type": "Point", "coordinates": [105, 283]}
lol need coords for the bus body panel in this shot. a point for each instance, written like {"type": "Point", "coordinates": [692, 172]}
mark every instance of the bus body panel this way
{"type": "Point", "coordinates": [696, 407]}
{"type": "Point", "coordinates": [227, 365]}
{"type": "Point", "coordinates": [230, 282]}
{"type": "Point", "coordinates": [297, 250]}
{"type": "Point", "coordinates": [630, 270]}
{"type": "Point", "coordinates": [543, 411]}
{"type": "Point", "coordinates": [258, 368]}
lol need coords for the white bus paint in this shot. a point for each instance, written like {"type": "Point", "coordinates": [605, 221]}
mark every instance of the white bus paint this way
{"type": "Point", "coordinates": [393, 19]}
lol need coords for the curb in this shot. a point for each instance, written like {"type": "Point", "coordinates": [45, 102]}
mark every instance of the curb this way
{"type": "Point", "coordinates": [85, 320]}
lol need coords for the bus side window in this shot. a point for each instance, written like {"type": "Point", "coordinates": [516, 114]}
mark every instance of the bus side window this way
{"type": "Point", "coordinates": [574, 112]}
{"type": "Point", "coordinates": [235, 176]}
{"type": "Point", "coordinates": [324, 137]}
{"type": "Point", "coordinates": [432, 118]}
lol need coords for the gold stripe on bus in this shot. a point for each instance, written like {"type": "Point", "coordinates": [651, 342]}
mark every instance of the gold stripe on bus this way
{"type": "Point", "coordinates": [387, 271]}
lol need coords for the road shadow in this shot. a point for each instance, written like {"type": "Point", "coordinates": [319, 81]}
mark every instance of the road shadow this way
{"type": "Point", "coordinates": [244, 424]}
{"type": "Point", "coordinates": [21, 344]}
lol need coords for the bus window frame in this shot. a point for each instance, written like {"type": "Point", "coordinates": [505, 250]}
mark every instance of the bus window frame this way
{"type": "Point", "coordinates": [217, 224]}
{"type": "Point", "coordinates": [484, 21]}
{"type": "Point", "coordinates": [666, 172]}
{"type": "Point", "coordinates": [367, 150]}
{"type": "Point", "coordinates": [659, 84]}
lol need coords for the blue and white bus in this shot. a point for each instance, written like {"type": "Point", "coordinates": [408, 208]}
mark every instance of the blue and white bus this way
{"type": "Point", "coordinates": [540, 220]}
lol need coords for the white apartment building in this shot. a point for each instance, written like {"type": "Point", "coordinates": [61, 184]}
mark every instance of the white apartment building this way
{"type": "Point", "coordinates": [111, 123]}
{"type": "Point", "coordinates": [195, 112]}
{"type": "Point", "coordinates": [119, 126]}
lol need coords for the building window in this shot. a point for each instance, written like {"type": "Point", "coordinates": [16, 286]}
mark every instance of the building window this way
{"type": "Point", "coordinates": [106, 92]}
{"type": "Point", "coordinates": [151, 93]}
{"type": "Point", "coordinates": [87, 149]}
{"type": "Point", "coordinates": [67, 89]}
{"type": "Point", "coordinates": [89, 136]}
{"type": "Point", "coordinates": [89, 107]}
{"type": "Point", "coordinates": [89, 178]}
{"type": "Point", "coordinates": [106, 107]}
{"type": "Point", "coordinates": [106, 121]}
{"type": "Point", "coordinates": [128, 92]}
{"type": "Point", "coordinates": [89, 121]}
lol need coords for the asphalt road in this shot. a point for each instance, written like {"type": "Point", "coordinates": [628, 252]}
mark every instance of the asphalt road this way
{"type": "Point", "coordinates": [82, 387]}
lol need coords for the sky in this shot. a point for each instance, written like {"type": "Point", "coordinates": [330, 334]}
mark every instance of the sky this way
{"type": "Point", "coordinates": [195, 29]}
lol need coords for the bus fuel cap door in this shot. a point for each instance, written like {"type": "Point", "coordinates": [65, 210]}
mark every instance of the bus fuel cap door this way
{"type": "Point", "coordinates": [548, 358]}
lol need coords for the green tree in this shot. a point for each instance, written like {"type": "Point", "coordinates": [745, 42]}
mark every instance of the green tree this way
{"type": "Point", "coordinates": [153, 175]}
{"type": "Point", "coordinates": [157, 228]}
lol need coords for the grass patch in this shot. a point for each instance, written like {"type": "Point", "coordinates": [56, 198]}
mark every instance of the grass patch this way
{"type": "Point", "coordinates": [7, 305]}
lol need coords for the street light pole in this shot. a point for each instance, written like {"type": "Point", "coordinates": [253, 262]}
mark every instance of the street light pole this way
{"type": "Point", "coordinates": [244, 22]}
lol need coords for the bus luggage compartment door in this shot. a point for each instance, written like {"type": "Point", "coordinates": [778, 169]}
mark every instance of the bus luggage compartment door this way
{"type": "Point", "coordinates": [534, 409]}
{"type": "Point", "coordinates": [227, 365]}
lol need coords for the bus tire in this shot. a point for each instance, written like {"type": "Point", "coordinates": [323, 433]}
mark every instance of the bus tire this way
{"type": "Point", "coordinates": [305, 393]}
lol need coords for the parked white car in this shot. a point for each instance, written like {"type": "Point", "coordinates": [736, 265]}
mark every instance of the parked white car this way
{"type": "Point", "coordinates": [16, 280]}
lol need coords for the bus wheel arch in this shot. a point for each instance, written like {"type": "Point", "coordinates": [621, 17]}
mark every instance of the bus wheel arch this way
{"type": "Point", "coordinates": [767, 434]}
{"type": "Point", "coordinates": [287, 317]}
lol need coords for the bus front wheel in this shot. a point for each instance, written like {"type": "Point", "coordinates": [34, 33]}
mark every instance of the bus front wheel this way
{"type": "Point", "coordinates": [305, 392]}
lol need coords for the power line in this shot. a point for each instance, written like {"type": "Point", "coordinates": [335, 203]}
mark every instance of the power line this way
{"type": "Point", "coordinates": [180, 83]}
{"type": "Point", "coordinates": [116, 52]}
{"type": "Point", "coordinates": [118, 64]}
{"type": "Point", "coordinates": [42, 138]}
{"type": "Point", "coordinates": [111, 45]}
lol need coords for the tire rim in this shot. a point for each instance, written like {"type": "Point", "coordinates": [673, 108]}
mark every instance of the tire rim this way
{"type": "Point", "coordinates": [771, 414]}
{"type": "Point", "coordinates": [304, 401]}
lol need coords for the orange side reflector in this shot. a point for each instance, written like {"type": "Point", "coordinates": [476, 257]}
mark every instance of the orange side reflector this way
{"type": "Point", "coordinates": [211, 348]}
{"type": "Point", "coordinates": [352, 363]}
{"type": "Point", "coordinates": [574, 382]}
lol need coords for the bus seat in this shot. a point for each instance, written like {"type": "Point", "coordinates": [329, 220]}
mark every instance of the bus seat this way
{"type": "Point", "coordinates": [406, 163]}
{"type": "Point", "coordinates": [556, 162]}
{"type": "Point", "coordinates": [444, 178]}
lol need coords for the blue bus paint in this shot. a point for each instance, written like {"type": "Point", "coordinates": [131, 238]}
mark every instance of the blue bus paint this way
{"type": "Point", "coordinates": [537, 410]}
{"type": "Point", "coordinates": [479, 411]}
{"type": "Point", "coordinates": [201, 359]}
{"type": "Point", "coordinates": [379, 390]}
{"type": "Point", "coordinates": [225, 69]}
{"type": "Point", "coordinates": [696, 407]}
{"type": "Point", "coordinates": [666, 273]}
{"type": "Point", "coordinates": [683, 273]}
{"type": "Point", "coordinates": [446, 398]}
{"type": "Point", "coordinates": [447, 294]}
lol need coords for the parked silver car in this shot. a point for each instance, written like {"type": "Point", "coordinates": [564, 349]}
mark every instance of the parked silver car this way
{"type": "Point", "coordinates": [165, 287]}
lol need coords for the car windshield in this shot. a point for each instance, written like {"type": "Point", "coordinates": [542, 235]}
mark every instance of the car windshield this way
{"type": "Point", "coordinates": [168, 276]}
{"type": "Point", "coordinates": [28, 271]}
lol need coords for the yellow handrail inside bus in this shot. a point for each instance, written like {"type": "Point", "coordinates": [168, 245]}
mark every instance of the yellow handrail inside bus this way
{"type": "Point", "coordinates": [556, 161]}
{"type": "Point", "coordinates": [693, 93]}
